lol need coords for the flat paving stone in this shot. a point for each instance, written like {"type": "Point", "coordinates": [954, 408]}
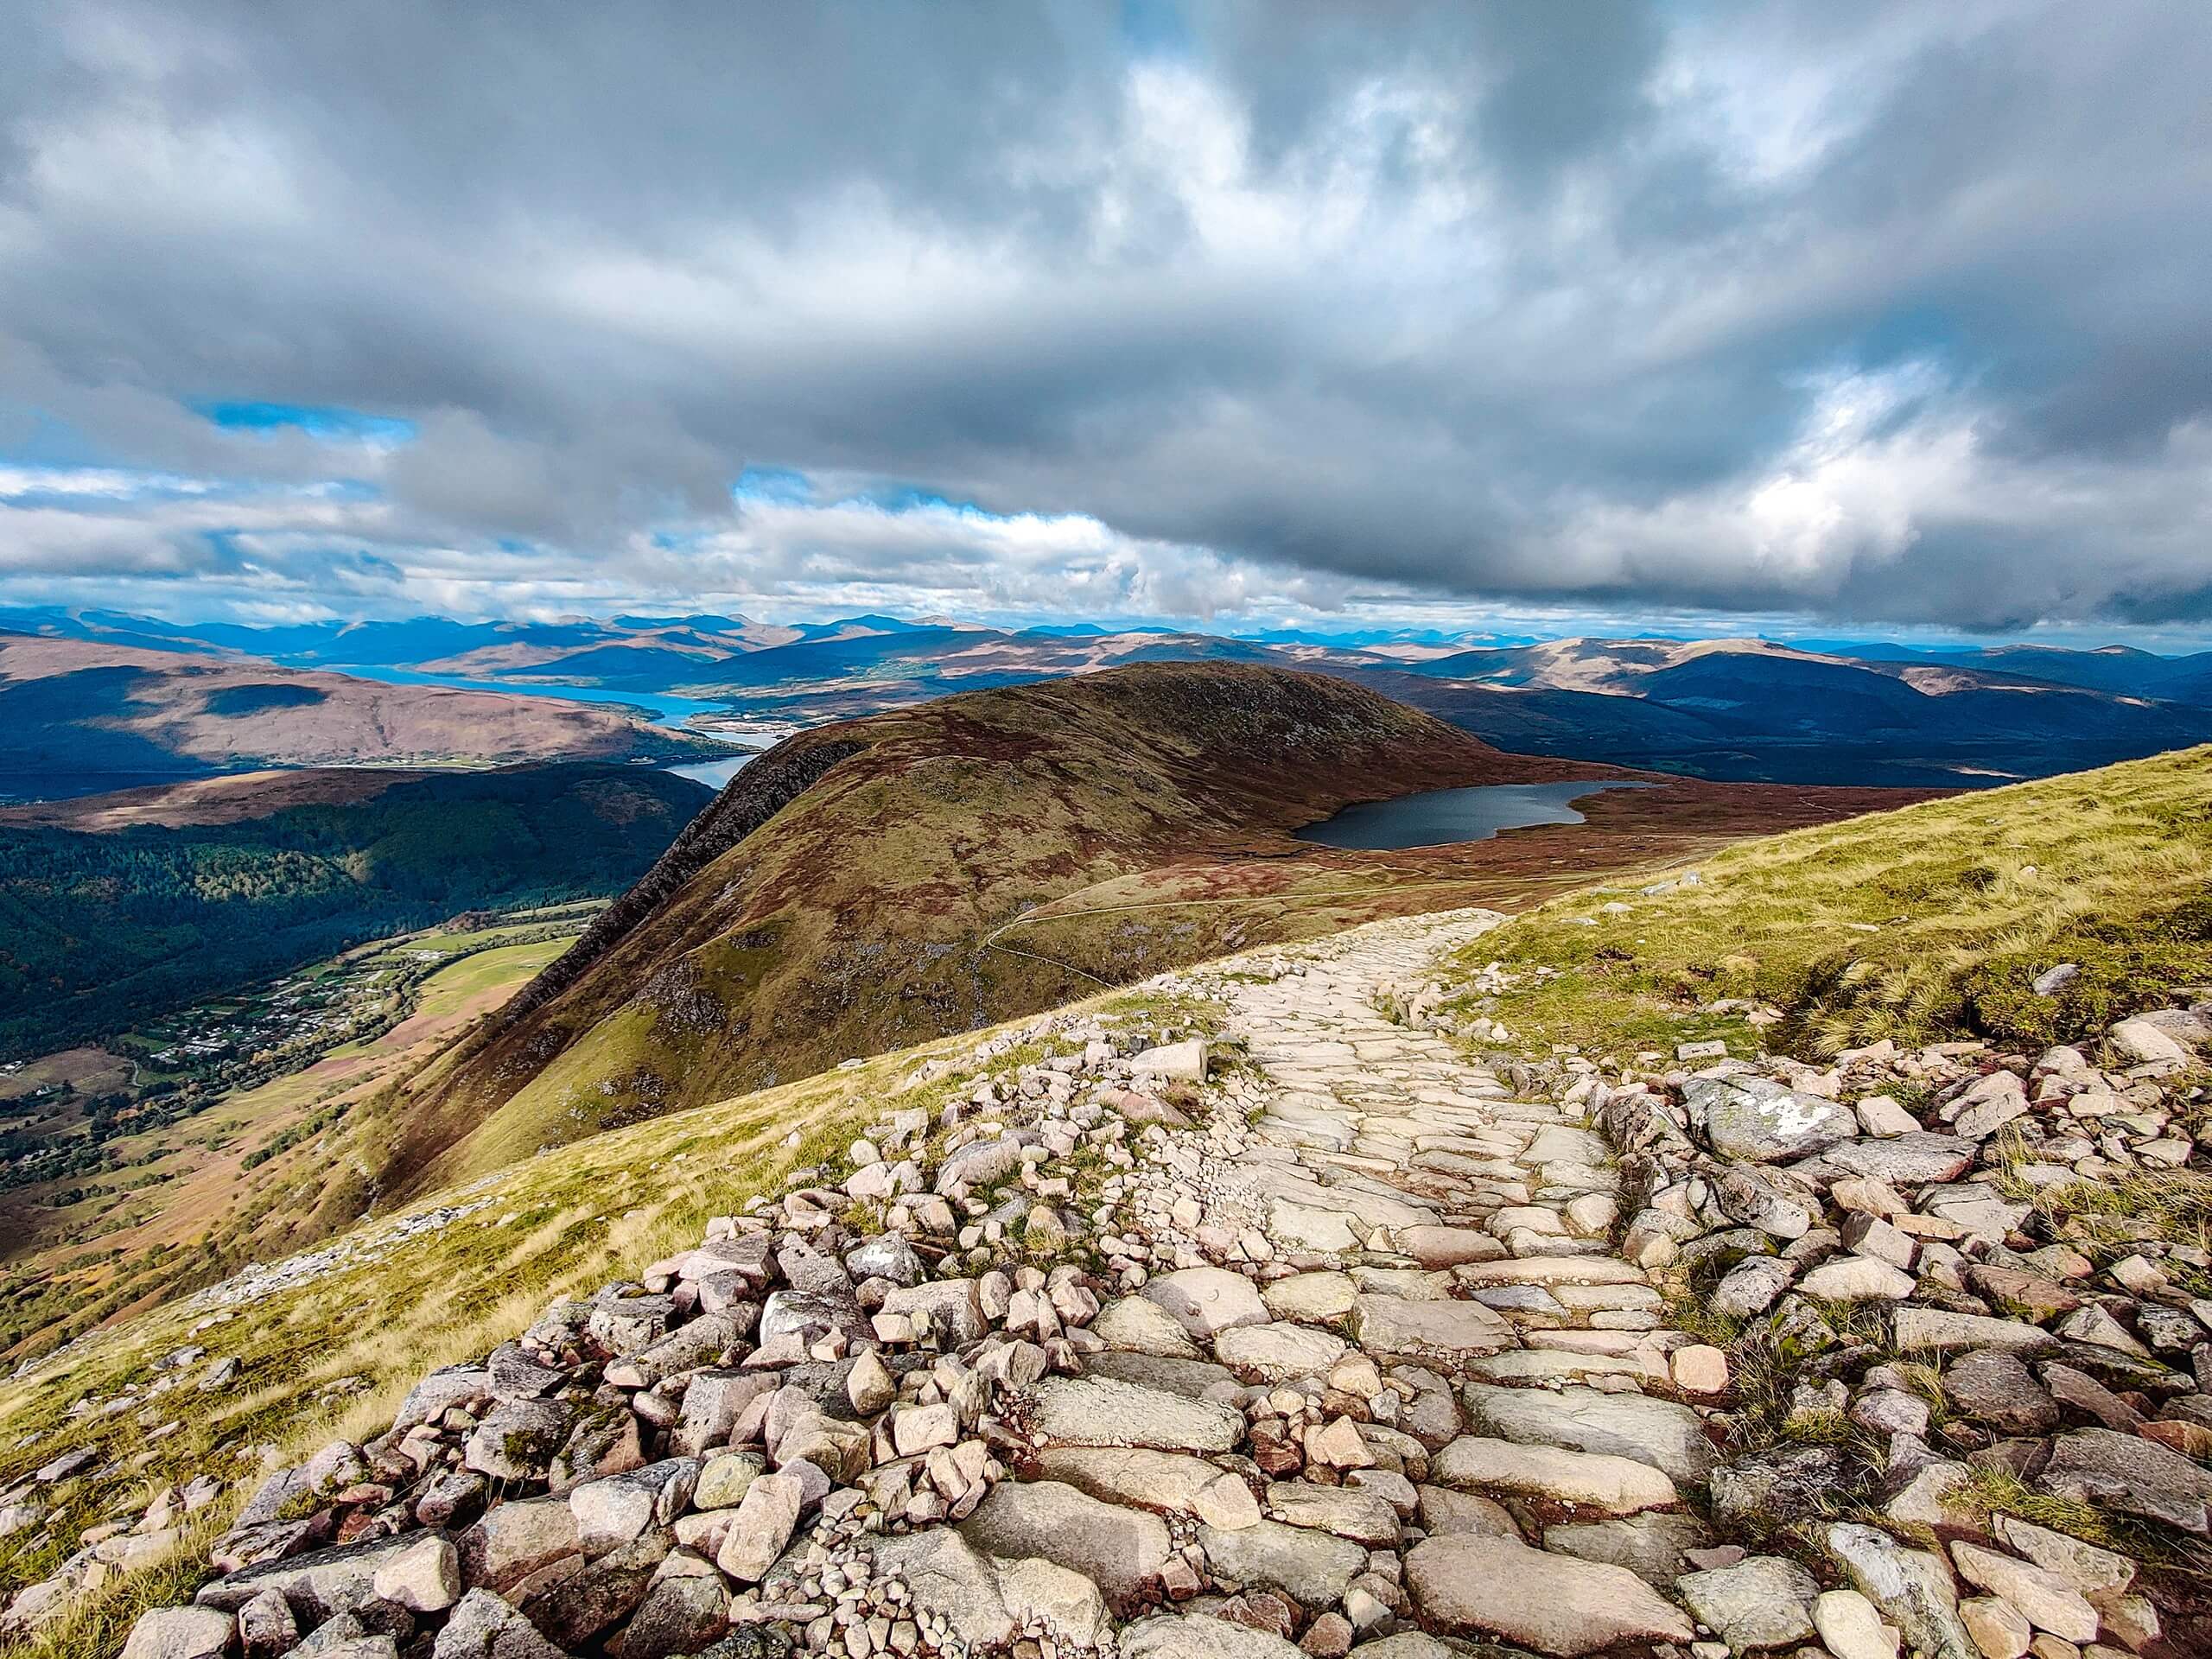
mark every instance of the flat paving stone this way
{"type": "Point", "coordinates": [1397, 1327]}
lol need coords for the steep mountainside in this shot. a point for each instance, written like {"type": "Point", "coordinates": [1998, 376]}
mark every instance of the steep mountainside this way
{"type": "Point", "coordinates": [117, 908]}
{"type": "Point", "coordinates": [856, 920]}
{"type": "Point", "coordinates": [79, 708]}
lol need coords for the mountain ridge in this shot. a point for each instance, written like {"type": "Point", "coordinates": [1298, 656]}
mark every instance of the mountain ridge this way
{"type": "Point", "coordinates": [1720, 708]}
{"type": "Point", "coordinates": [750, 953]}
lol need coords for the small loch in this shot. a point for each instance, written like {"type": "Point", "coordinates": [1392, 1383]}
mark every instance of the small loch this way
{"type": "Point", "coordinates": [1437, 817]}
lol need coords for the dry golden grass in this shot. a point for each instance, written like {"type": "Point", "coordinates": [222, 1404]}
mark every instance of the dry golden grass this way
{"type": "Point", "coordinates": [2126, 1205]}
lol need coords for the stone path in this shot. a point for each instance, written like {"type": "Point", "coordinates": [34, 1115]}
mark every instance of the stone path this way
{"type": "Point", "coordinates": [1350, 1363]}
{"type": "Point", "coordinates": [1378, 1141]}
{"type": "Point", "coordinates": [1469, 1229]}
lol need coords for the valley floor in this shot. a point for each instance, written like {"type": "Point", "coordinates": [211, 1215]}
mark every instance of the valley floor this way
{"type": "Point", "coordinates": [189, 1167]}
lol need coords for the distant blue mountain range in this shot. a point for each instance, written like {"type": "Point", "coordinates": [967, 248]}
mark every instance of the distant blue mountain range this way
{"type": "Point", "coordinates": [1818, 711]}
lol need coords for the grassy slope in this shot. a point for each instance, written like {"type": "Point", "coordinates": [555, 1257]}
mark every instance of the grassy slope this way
{"type": "Point", "coordinates": [1122, 928]}
{"type": "Point", "coordinates": [334, 1356]}
{"type": "Point", "coordinates": [187, 1212]}
{"type": "Point", "coordinates": [99, 931]}
{"type": "Point", "coordinates": [1927, 922]}
{"type": "Point", "coordinates": [851, 923]}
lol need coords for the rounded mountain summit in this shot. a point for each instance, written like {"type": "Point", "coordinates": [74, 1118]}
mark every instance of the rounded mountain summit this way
{"type": "Point", "coordinates": [845, 894]}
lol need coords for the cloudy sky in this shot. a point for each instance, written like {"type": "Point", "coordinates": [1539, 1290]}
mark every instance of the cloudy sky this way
{"type": "Point", "coordinates": [1870, 318]}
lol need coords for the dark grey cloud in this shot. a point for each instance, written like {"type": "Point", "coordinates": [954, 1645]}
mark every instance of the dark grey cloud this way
{"type": "Point", "coordinates": [1888, 312]}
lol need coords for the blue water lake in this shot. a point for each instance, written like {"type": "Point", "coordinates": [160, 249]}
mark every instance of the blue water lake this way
{"type": "Point", "coordinates": [1438, 817]}
{"type": "Point", "coordinates": [715, 773]}
{"type": "Point", "coordinates": [666, 709]}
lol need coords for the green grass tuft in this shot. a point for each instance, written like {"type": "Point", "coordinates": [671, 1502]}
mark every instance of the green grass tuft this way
{"type": "Point", "coordinates": [1922, 924]}
{"type": "Point", "coordinates": [2122, 1206]}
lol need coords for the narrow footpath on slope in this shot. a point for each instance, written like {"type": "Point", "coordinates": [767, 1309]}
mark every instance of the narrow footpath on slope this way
{"type": "Point", "coordinates": [1457, 1234]}
{"type": "Point", "coordinates": [1319, 1340]}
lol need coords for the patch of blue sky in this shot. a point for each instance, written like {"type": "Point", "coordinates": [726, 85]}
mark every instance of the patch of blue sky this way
{"type": "Point", "coordinates": [1155, 28]}
{"type": "Point", "coordinates": [780, 485]}
{"type": "Point", "coordinates": [910, 497]}
{"type": "Point", "coordinates": [42, 439]}
{"type": "Point", "coordinates": [1910, 334]}
{"type": "Point", "coordinates": [326, 423]}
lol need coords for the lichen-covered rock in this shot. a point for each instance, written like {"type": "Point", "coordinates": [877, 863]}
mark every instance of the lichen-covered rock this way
{"type": "Point", "coordinates": [1206, 1301]}
{"type": "Point", "coordinates": [1759, 1121]}
{"type": "Point", "coordinates": [179, 1633]}
{"type": "Point", "coordinates": [1278, 1353]}
{"type": "Point", "coordinates": [1166, 1481]}
{"type": "Point", "coordinates": [1913, 1588]}
{"type": "Point", "coordinates": [517, 1539]}
{"type": "Point", "coordinates": [1398, 1327]}
{"type": "Point", "coordinates": [484, 1627]}
{"type": "Point", "coordinates": [518, 1439]}
{"type": "Point", "coordinates": [2130, 1474]}
{"type": "Point", "coordinates": [1201, 1636]}
{"type": "Point", "coordinates": [761, 1526]}
{"type": "Point", "coordinates": [1618, 1485]}
{"type": "Point", "coordinates": [1660, 1433]}
{"type": "Point", "coordinates": [1100, 1411]}
{"type": "Point", "coordinates": [1314, 1568]}
{"type": "Point", "coordinates": [1761, 1602]}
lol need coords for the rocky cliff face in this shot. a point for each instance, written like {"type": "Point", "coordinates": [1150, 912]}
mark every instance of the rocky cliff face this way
{"type": "Point", "coordinates": [840, 898]}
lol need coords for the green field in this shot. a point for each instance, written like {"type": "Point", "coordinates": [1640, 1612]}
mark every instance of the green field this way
{"type": "Point", "coordinates": [447, 989]}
